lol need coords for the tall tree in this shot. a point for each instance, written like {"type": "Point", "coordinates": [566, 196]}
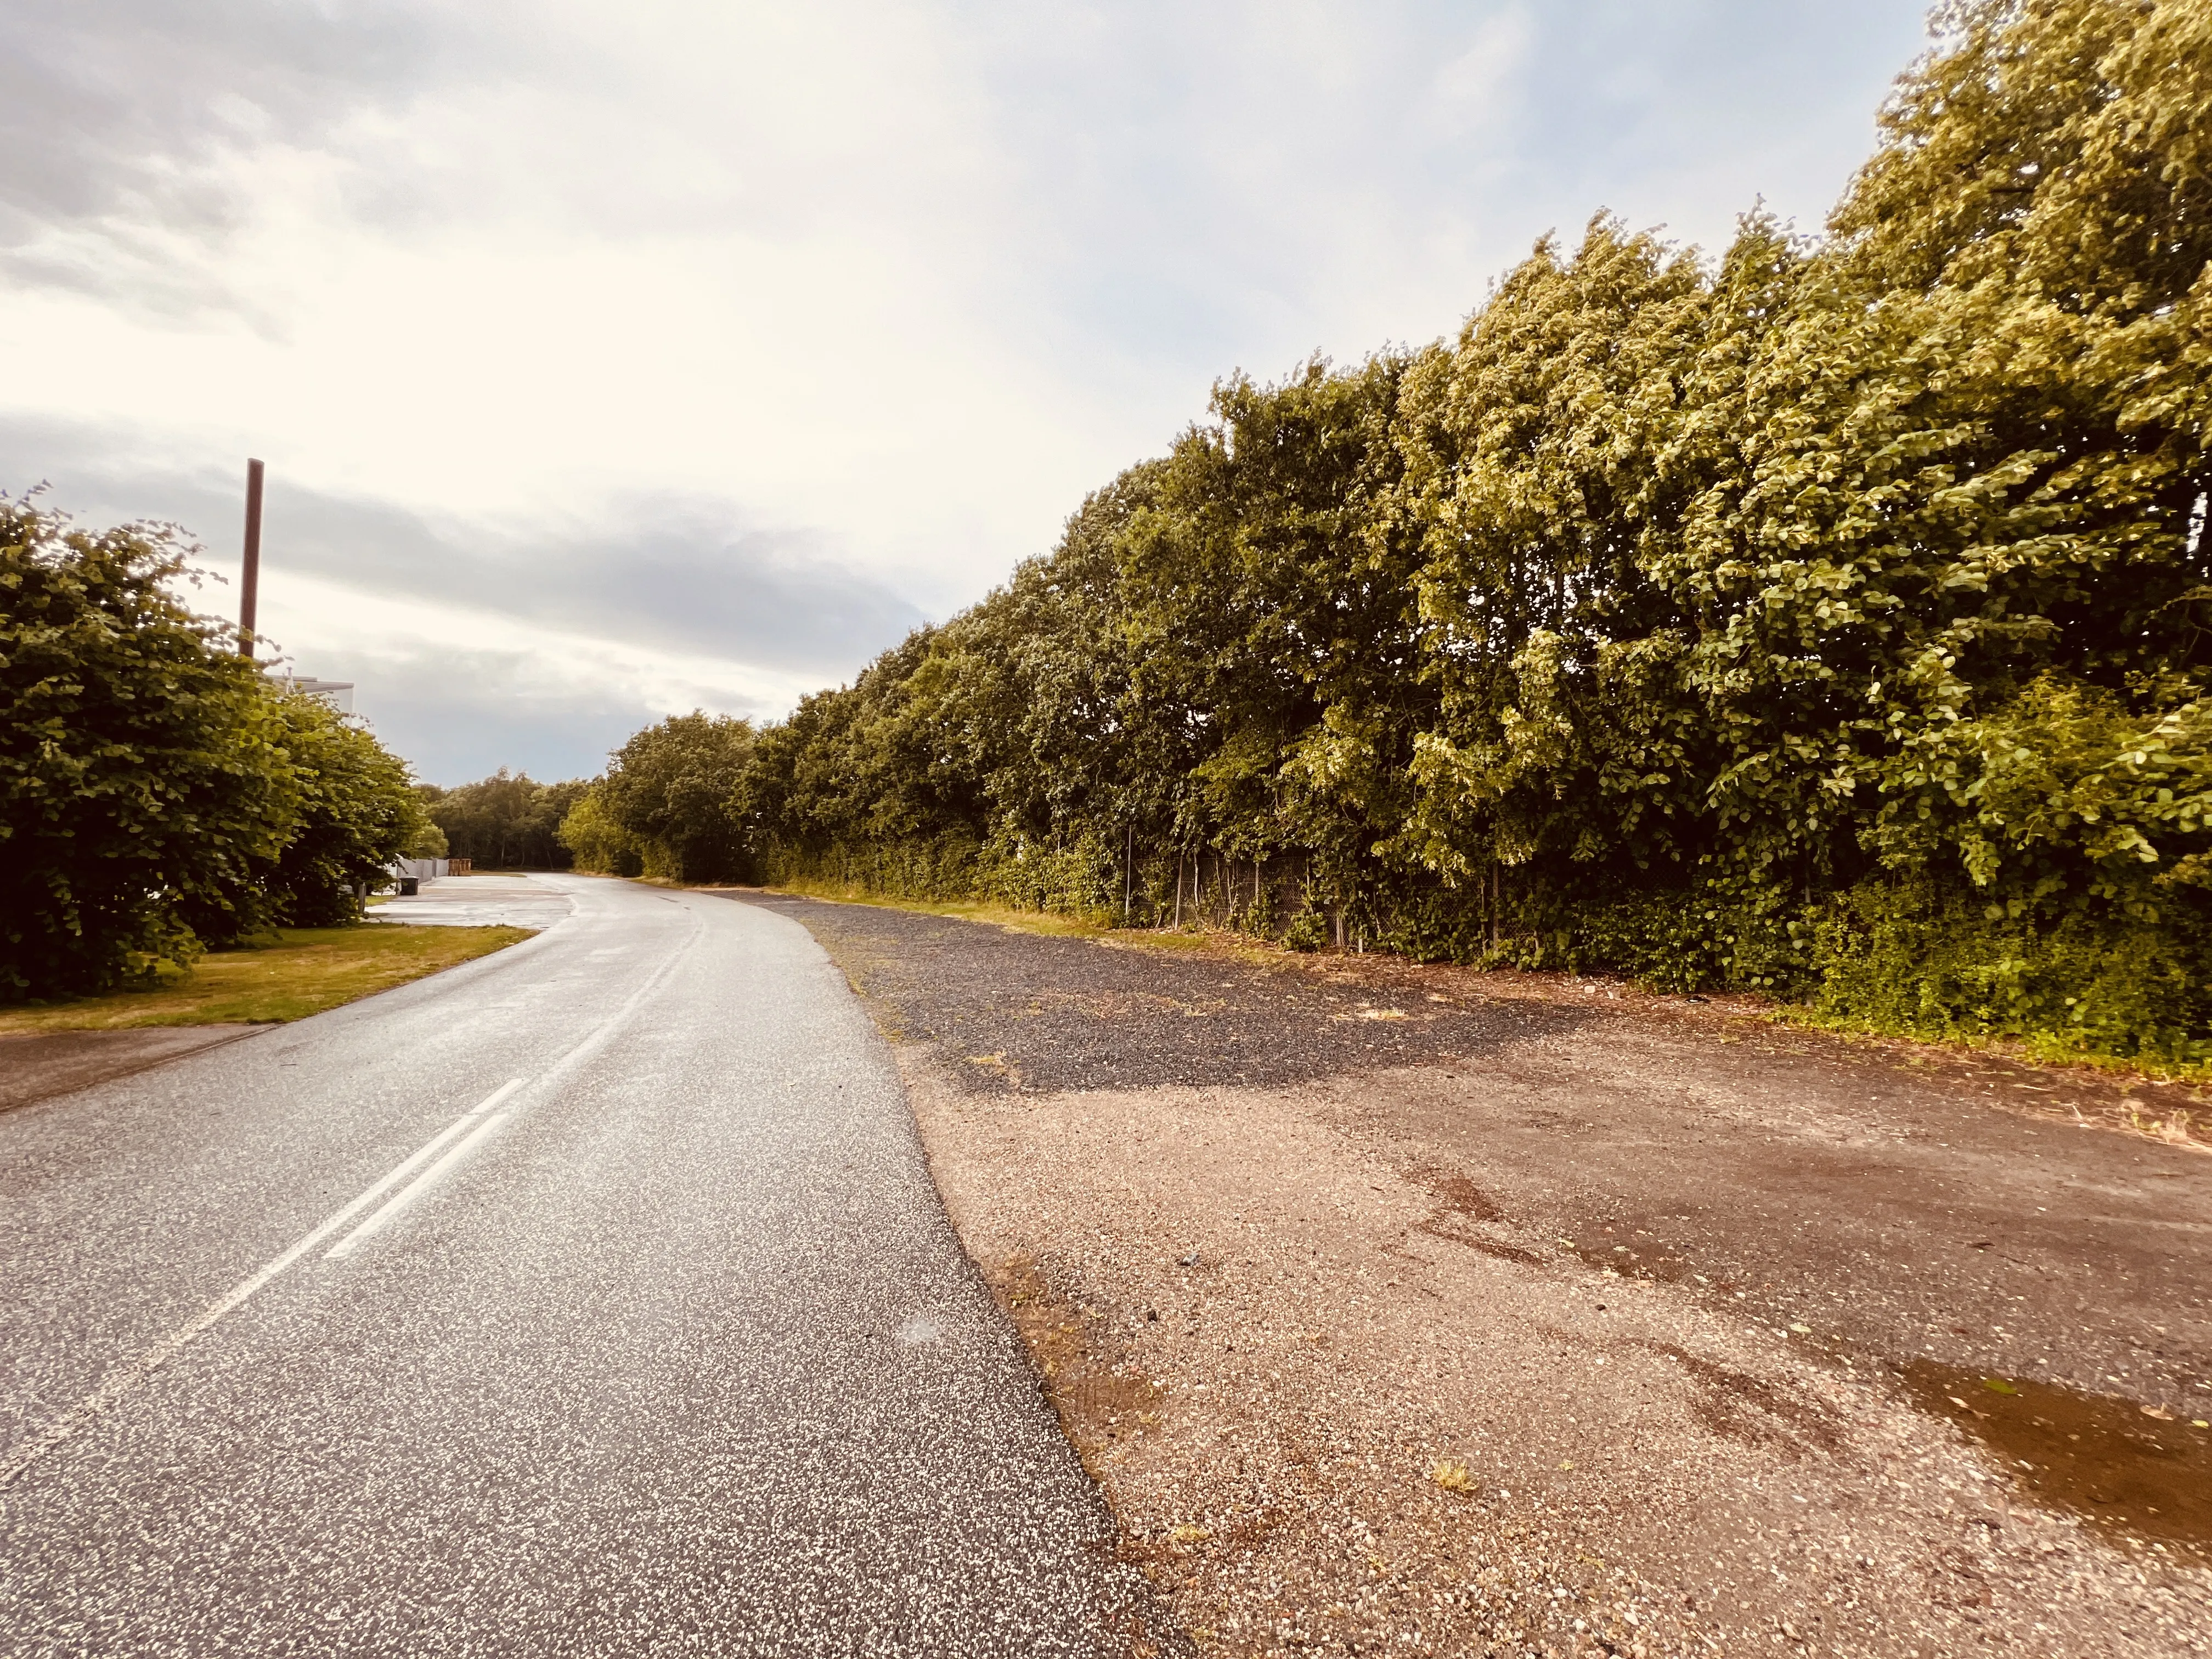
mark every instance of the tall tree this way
{"type": "Point", "coordinates": [674, 788]}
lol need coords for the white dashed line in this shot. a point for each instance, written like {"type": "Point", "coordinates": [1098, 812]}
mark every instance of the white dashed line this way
{"type": "Point", "coordinates": [126, 1377]}
{"type": "Point", "coordinates": [131, 1372]}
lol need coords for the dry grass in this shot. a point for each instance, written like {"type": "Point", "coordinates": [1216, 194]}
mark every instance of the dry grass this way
{"type": "Point", "coordinates": [1053, 924]}
{"type": "Point", "coordinates": [302, 971]}
{"type": "Point", "coordinates": [1451, 1476]}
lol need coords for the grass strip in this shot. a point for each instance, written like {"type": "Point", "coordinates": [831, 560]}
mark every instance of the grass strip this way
{"type": "Point", "coordinates": [300, 972]}
{"type": "Point", "coordinates": [1052, 923]}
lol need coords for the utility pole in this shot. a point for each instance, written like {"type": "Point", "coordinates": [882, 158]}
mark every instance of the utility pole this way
{"type": "Point", "coordinates": [249, 586]}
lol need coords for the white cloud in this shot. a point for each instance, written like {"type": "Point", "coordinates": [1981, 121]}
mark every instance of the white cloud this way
{"type": "Point", "coordinates": [879, 288]}
{"type": "Point", "coordinates": [418, 630]}
{"type": "Point", "coordinates": [1479, 88]}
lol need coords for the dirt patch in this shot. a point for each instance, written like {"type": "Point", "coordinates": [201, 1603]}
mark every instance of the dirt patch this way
{"type": "Point", "coordinates": [1592, 1331]}
{"type": "Point", "coordinates": [40, 1065]}
{"type": "Point", "coordinates": [1102, 1401]}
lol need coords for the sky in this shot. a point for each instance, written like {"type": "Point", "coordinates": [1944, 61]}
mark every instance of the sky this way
{"type": "Point", "coordinates": [612, 361]}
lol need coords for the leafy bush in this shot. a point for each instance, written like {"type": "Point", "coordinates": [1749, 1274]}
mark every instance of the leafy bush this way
{"type": "Point", "coordinates": [143, 771]}
{"type": "Point", "coordinates": [1307, 931]}
{"type": "Point", "coordinates": [1911, 957]}
{"type": "Point", "coordinates": [673, 789]}
{"type": "Point", "coordinates": [595, 842]}
{"type": "Point", "coordinates": [355, 812]}
{"type": "Point", "coordinates": [947, 867]}
{"type": "Point", "coordinates": [158, 794]}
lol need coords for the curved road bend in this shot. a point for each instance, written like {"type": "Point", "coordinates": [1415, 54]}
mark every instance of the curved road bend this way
{"type": "Point", "coordinates": [590, 1298]}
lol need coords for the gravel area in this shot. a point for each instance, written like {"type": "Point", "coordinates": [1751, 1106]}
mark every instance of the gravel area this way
{"type": "Point", "coordinates": [1416, 1310]}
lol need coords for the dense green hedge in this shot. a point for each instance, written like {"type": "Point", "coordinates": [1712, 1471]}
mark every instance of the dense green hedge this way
{"type": "Point", "coordinates": [1831, 617]}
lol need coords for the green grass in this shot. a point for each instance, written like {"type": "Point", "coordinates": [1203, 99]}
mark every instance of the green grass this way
{"type": "Point", "coordinates": [301, 971]}
{"type": "Point", "coordinates": [1097, 925]}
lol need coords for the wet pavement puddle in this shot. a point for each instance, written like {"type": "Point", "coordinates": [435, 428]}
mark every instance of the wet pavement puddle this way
{"type": "Point", "coordinates": [2114, 1462]}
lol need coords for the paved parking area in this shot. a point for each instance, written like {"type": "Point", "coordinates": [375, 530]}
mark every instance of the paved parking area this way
{"type": "Point", "coordinates": [479, 901]}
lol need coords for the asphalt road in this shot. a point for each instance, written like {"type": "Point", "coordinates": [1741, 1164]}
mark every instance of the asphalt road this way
{"type": "Point", "coordinates": [592, 1297]}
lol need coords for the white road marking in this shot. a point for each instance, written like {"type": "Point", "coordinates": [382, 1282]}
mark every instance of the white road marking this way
{"type": "Point", "coordinates": [562, 1068]}
{"type": "Point", "coordinates": [131, 1372]}
{"type": "Point", "coordinates": [127, 1377]}
{"type": "Point", "coordinates": [415, 1188]}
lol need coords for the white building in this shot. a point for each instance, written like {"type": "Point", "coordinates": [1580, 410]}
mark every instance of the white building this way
{"type": "Point", "coordinates": [336, 693]}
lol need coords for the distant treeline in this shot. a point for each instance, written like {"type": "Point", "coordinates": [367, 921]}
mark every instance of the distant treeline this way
{"type": "Point", "coordinates": [502, 821]}
{"type": "Point", "coordinates": [665, 808]}
{"type": "Point", "coordinates": [1829, 618]}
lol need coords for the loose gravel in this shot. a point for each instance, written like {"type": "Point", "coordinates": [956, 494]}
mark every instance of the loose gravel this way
{"type": "Point", "coordinates": [1420, 1311]}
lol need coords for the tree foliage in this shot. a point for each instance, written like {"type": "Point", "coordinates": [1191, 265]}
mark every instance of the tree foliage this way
{"type": "Point", "coordinates": [505, 821]}
{"type": "Point", "coordinates": [667, 806]}
{"type": "Point", "coordinates": [595, 842]}
{"type": "Point", "coordinates": [356, 811]}
{"type": "Point", "coordinates": [1836, 602]}
{"type": "Point", "coordinates": [158, 794]}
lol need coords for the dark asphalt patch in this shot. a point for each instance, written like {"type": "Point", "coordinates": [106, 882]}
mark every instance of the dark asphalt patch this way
{"type": "Point", "coordinates": [1013, 1011]}
{"type": "Point", "coordinates": [40, 1066]}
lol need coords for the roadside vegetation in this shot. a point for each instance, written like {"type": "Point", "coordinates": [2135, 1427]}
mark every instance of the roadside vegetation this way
{"type": "Point", "coordinates": [671, 805]}
{"type": "Point", "coordinates": [1830, 618]}
{"type": "Point", "coordinates": [287, 975]}
{"type": "Point", "coordinates": [160, 796]}
{"type": "Point", "coordinates": [1057, 924]}
{"type": "Point", "coordinates": [504, 821]}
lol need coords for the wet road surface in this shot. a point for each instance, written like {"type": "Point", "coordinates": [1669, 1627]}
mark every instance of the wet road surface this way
{"type": "Point", "coordinates": [591, 1298]}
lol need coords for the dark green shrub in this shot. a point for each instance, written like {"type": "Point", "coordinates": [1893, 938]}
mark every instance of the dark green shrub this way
{"type": "Point", "coordinates": [143, 777]}
{"type": "Point", "coordinates": [674, 789]}
{"type": "Point", "coordinates": [1904, 957]}
{"type": "Point", "coordinates": [158, 794]}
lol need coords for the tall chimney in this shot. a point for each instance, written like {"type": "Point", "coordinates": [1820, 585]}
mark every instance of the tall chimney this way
{"type": "Point", "coordinates": [249, 586]}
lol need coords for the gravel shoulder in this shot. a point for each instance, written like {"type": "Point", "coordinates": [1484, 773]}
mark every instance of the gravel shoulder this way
{"type": "Point", "coordinates": [1442, 1312]}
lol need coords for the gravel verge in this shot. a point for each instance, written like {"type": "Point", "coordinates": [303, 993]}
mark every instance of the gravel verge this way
{"type": "Point", "coordinates": [1418, 1311]}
